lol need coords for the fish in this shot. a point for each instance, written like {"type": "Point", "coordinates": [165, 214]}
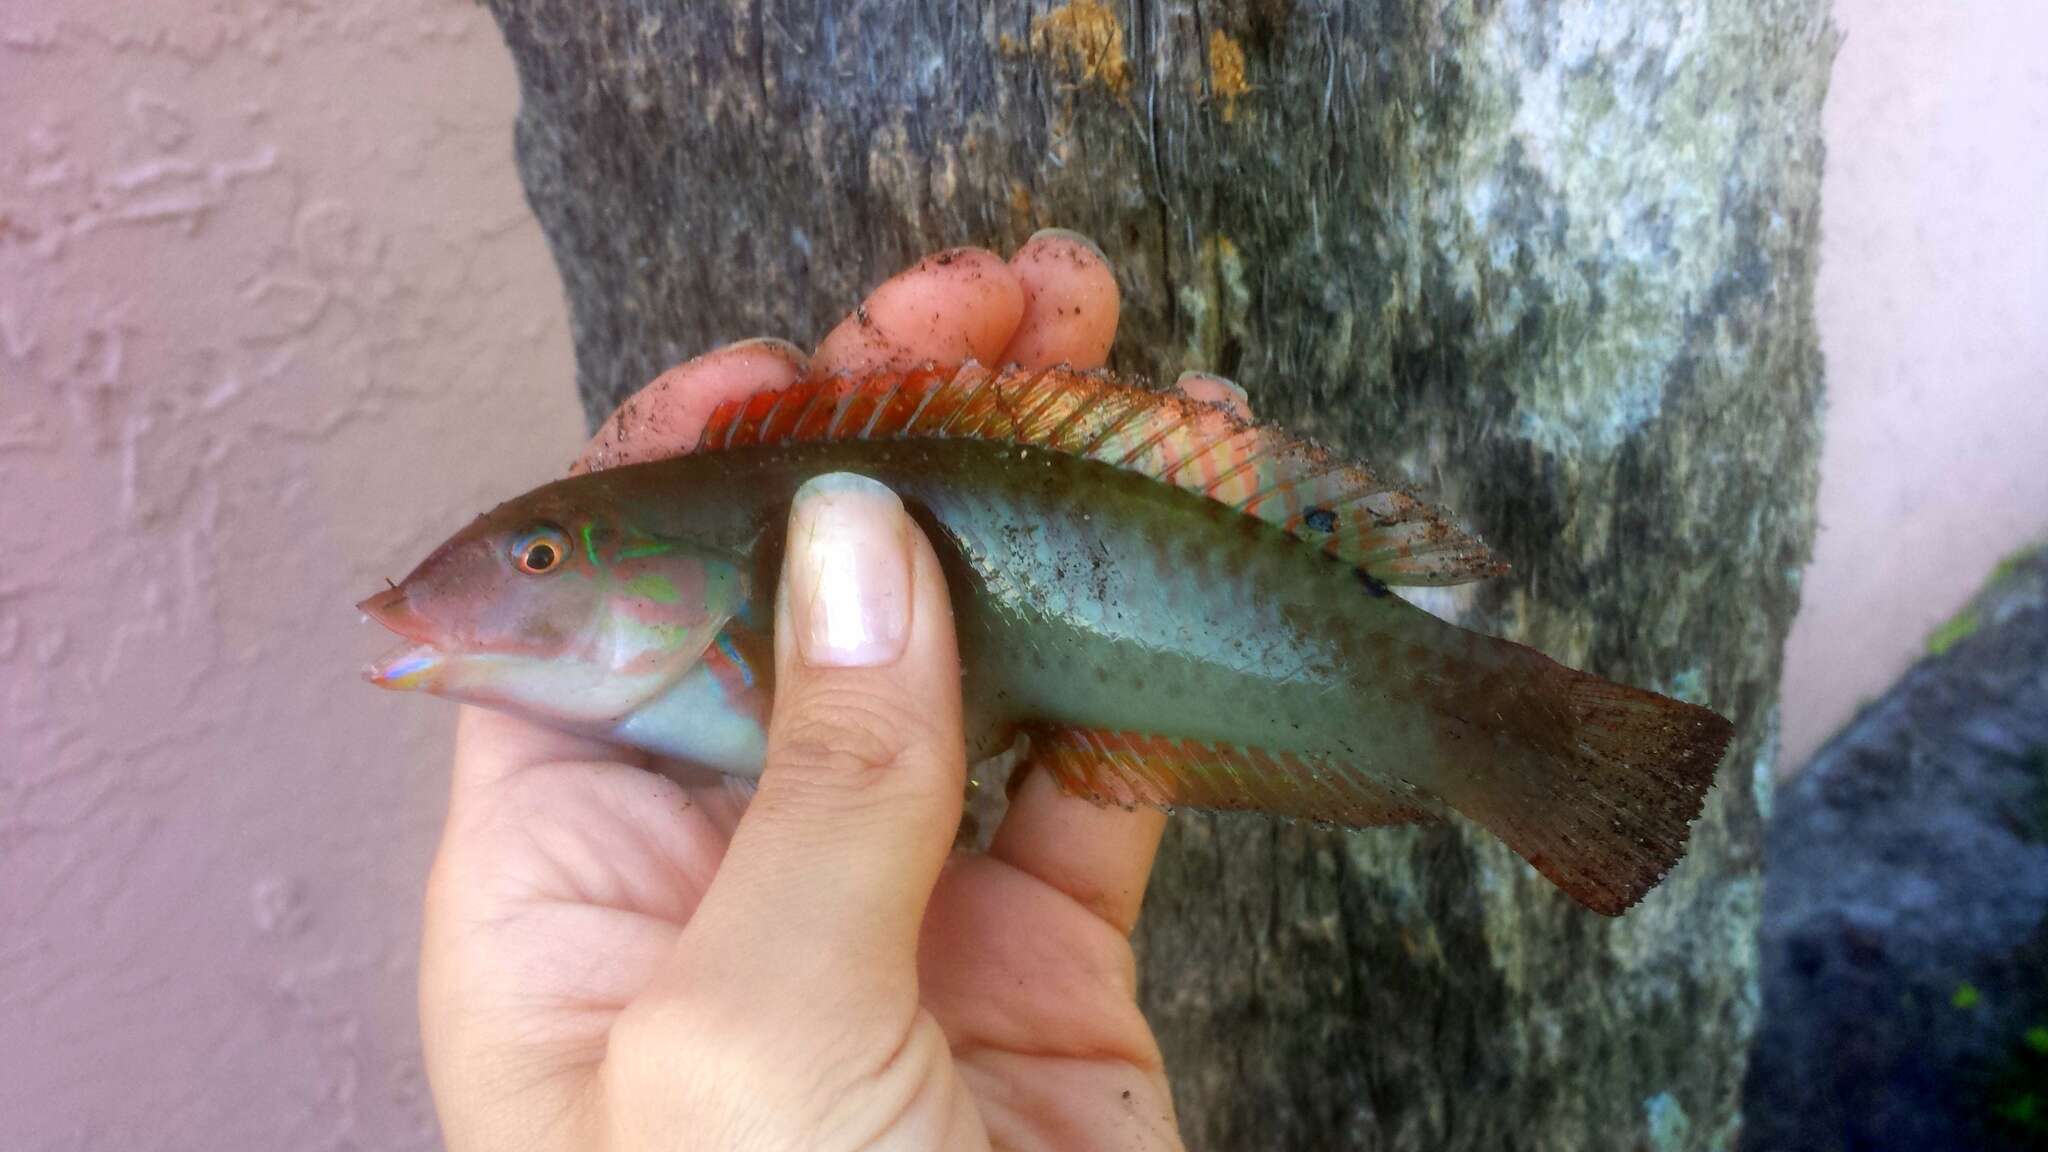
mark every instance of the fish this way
{"type": "Point", "coordinates": [1169, 604]}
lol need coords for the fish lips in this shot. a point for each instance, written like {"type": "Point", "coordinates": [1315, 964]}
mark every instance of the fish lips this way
{"type": "Point", "coordinates": [410, 665]}
{"type": "Point", "coordinates": [405, 668]}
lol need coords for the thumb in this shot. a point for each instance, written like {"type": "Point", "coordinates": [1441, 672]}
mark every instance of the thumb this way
{"type": "Point", "coordinates": [831, 867]}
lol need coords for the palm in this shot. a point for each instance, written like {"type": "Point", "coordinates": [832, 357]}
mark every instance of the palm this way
{"type": "Point", "coordinates": [573, 879]}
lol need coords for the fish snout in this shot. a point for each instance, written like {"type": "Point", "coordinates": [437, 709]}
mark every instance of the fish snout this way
{"type": "Point", "coordinates": [394, 611]}
{"type": "Point", "coordinates": [410, 665]}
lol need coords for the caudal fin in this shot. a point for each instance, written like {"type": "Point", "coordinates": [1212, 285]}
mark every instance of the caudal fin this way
{"type": "Point", "coordinates": [1594, 783]}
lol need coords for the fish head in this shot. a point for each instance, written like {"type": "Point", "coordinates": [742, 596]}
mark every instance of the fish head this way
{"type": "Point", "coordinates": [557, 608]}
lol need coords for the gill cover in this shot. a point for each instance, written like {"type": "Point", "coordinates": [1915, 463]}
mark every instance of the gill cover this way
{"type": "Point", "coordinates": [659, 603]}
{"type": "Point", "coordinates": [556, 613]}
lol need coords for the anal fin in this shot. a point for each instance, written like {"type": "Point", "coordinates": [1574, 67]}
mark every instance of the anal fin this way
{"type": "Point", "coordinates": [1133, 768]}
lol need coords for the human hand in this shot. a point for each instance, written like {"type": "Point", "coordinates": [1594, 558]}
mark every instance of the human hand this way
{"type": "Point", "coordinates": [613, 959]}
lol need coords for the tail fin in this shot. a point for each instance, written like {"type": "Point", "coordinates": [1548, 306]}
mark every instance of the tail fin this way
{"type": "Point", "coordinates": [1595, 784]}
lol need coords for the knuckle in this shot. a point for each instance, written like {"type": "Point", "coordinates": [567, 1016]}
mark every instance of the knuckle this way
{"type": "Point", "coordinates": [848, 753]}
{"type": "Point", "coordinates": [849, 735]}
{"type": "Point", "coordinates": [822, 763]}
{"type": "Point", "coordinates": [651, 1050]}
{"type": "Point", "coordinates": [628, 1035]}
{"type": "Point", "coordinates": [644, 1027]}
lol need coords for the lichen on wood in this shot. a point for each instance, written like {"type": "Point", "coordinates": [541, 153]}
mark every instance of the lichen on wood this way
{"type": "Point", "coordinates": [1555, 262]}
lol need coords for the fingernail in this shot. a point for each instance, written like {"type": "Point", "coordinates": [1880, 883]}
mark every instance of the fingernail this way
{"type": "Point", "coordinates": [1069, 235]}
{"type": "Point", "coordinates": [849, 572]}
{"type": "Point", "coordinates": [774, 347]}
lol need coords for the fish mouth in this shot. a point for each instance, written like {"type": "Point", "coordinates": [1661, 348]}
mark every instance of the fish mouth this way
{"type": "Point", "coordinates": [407, 666]}
{"type": "Point", "coordinates": [404, 668]}
{"type": "Point", "coordinates": [393, 610]}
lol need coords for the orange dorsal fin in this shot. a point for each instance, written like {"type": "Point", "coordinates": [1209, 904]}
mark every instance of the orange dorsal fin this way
{"type": "Point", "coordinates": [1259, 469]}
{"type": "Point", "coordinates": [1133, 768]}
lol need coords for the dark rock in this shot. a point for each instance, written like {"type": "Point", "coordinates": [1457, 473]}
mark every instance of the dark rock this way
{"type": "Point", "coordinates": [1905, 936]}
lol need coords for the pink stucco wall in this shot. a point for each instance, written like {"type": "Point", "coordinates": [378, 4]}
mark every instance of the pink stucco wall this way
{"type": "Point", "coordinates": [273, 316]}
{"type": "Point", "coordinates": [1933, 305]}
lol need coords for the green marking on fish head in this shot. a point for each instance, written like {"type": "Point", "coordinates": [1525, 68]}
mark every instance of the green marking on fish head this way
{"type": "Point", "coordinates": [639, 547]}
{"type": "Point", "coordinates": [666, 596]}
{"type": "Point", "coordinates": [654, 586]}
{"type": "Point", "coordinates": [553, 605]}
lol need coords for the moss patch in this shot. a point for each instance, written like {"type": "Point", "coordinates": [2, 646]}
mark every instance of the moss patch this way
{"type": "Point", "coordinates": [2017, 1105]}
{"type": "Point", "coordinates": [2011, 565]}
{"type": "Point", "coordinates": [1954, 631]}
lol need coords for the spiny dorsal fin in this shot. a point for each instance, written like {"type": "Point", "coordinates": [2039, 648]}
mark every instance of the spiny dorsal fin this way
{"type": "Point", "coordinates": [1258, 469]}
{"type": "Point", "coordinates": [1133, 768]}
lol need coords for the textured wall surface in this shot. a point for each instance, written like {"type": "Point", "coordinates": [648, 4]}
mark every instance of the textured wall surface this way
{"type": "Point", "coordinates": [1933, 306]}
{"type": "Point", "coordinates": [273, 317]}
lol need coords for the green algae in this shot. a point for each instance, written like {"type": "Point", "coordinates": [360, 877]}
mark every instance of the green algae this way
{"type": "Point", "coordinates": [1954, 630]}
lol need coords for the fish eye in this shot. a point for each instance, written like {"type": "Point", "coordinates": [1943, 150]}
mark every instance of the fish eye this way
{"type": "Point", "coordinates": [540, 550]}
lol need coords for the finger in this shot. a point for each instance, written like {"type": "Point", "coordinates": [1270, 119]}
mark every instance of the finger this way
{"type": "Point", "coordinates": [951, 307]}
{"type": "Point", "coordinates": [865, 768]}
{"type": "Point", "coordinates": [1070, 302]}
{"type": "Point", "coordinates": [1003, 966]}
{"type": "Point", "coordinates": [1218, 390]}
{"type": "Point", "coordinates": [490, 746]}
{"type": "Point", "coordinates": [1101, 856]}
{"type": "Point", "coordinates": [667, 416]}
